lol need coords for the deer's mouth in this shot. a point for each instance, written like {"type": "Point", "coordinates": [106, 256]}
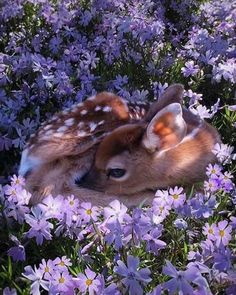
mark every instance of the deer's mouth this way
{"type": "Point", "coordinates": [88, 181]}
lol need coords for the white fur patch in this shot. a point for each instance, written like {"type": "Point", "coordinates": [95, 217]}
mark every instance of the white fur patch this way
{"type": "Point", "coordinates": [98, 108]}
{"type": "Point", "coordinates": [82, 133]}
{"type": "Point", "coordinates": [107, 109]}
{"type": "Point", "coordinates": [101, 122]}
{"type": "Point", "coordinates": [81, 124]}
{"type": "Point", "coordinates": [47, 127]}
{"type": "Point", "coordinates": [59, 134]}
{"type": "Point", "coordinates": [91, 97]}
{"type": "Point", "coordinates": [62, 129]}
{"type": "Point", "coordinates": [69, 122]}
{"type": "Point", "coordinates": [83, 112]}
{"type": "Point", "coordinates": [92, 126]}
{"type": "Point", "coordinates": [49, 132]}
{"type": "Point", "coordinates": [27, 162]}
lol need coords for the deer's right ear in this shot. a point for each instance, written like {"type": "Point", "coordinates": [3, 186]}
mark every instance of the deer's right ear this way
{"type": "Point", "coordinates": [166, 129]}
{"type": "Point", "coordinates": [173, 94]}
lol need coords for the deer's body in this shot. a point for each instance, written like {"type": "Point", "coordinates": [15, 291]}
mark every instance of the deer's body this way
{"type": "Point", "coordinates": [130, 153]}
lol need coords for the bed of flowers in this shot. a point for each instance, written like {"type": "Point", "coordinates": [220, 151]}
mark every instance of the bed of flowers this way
{"type": "Point", "coordinates": [56, 53]}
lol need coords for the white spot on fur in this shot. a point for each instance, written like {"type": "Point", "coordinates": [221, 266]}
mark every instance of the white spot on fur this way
{"type": "Point", "coordinates": [47, 127]}
{"type": "Point", "coordinates": [49, 132]}
{"type": "Point", "coordinates": [59, 134]}
{"type": "Point", "coordinates": [83, 112]}
{"type": "Point", "coordinates": [81, 124]}
{"type": "Point", "coordinates": [82, 133]}
{"type": "Point", "coordinates": [98, 108]}
{"type": "Point", "coordinates": [91, 97]}
{"type": "Point", "coordinates": [101, 122]}
{"type": "Point", "coordinates": [92, 126]}
{"type": "Point", "coordinates": [62, 129]}
{"type": "Point", "coordinates": [55, 117]}
{"type": "Point", "coordinates": [69, 122]}
{"type": "Point", "coordinates": [107, 109]}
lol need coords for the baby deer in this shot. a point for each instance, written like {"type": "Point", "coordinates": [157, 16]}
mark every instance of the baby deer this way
{"type": "Point", "coordinates": [108, 148]}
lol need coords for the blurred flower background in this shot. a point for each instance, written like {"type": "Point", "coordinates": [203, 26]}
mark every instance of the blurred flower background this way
{"type": "Point", "coordinates": [56, 53]}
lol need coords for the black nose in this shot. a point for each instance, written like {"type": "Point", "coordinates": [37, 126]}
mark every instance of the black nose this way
{"type": "Point", "coordinates": [80, 180]}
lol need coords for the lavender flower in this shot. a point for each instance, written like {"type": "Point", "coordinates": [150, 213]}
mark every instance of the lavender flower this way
{"type": "Point", "coordinates": [88, 212]}
{"type": "Point", "coordinates": [190, 69]}
{"type": "Point", "coordinates": [181, 280]}
{"type": "Point", "coordinates": [133, 279]}
{"type": "Point", "coordinates": [177, 197]}
{"type": "Point", "coordinates": [116, 210]}
{"type": "Point", "coordinates": [223, 152]}
{"type": "Point", "coordinates": [8, 291]}
{"type": "Point", "coordinates": [36, 277]}
{"type": "Point", "coordinates": [223, 235]}
{"type": "Point", "coordinates": [40, 227]}
{"type": "Point", "coordinates": [88, 282]}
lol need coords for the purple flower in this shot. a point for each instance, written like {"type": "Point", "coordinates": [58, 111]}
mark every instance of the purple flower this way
{"type": "Point", "coordinates": [47, 267]}
{"type": "Point", "coordinates": [177, 197]}
{"type": "Point", "coordinates": [40, 227]}
{"type": "Point", "coordinates": [116, 210]}
{"type": "Point", "coordinates": [180, 223]}
{"type": "Point", "coordinates": [17, 253]}
{"type": "Point", "coordinates": [61, 282]}
{"type": "Point", "coordinates": [223, 235]}
{"type": "Point", "coordinates": [223, 152]}
{"type": "Point", "coordinates": [133, 278]}
{"type": "Point", "coordinates": [110, 290]}
{"type": "Point", "coordinates": [8, 291]}
{"type": "Point", "coordinates": [88, 282]}
{"type": "Point", "coordinates": [36, 276]}
{"type": "Point", "coordinates": [190, 69]}
{"type": "Point", "coordinates": [201, 111]}
{"type": "Point", "coordinates": [222, 259]}
{"type": "Point", "coordinates": [161, 208]}
{"type": "Point", "coordinates": [62, 263]}
{"type": "Point", "coordinates": [115, 234]}
{"type": "Point", "coordinates": [88, 212]}
{"type": "Point", "coordinates": [213, 170]}
{"type": "Point", "coordinates": [153, 244]}
{"type": "Point", "coordinates": [210, 231]}
{"type": "Point", "coordinates": [181, 280]}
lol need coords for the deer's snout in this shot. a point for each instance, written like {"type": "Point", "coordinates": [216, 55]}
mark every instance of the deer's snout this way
{"type": "Point", "coordinates": [90, 180]}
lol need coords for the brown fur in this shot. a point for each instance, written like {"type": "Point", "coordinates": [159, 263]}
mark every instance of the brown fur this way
{"type": "Point", "coordinates": [170, 162]}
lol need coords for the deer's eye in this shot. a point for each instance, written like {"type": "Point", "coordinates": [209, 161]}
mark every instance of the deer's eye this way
{"type": "Point", "coordinates": [116, 172]}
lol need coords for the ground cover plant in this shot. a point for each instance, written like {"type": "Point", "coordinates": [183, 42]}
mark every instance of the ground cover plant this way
{"type": "Point", "coordinates": [55, 53]}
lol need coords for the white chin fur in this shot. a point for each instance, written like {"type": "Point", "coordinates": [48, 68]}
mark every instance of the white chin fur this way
{"type": "Point", "coordinates": [27, 163]}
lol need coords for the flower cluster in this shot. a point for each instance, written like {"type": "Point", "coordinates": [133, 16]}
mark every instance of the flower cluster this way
{"type": "Point", "coordinates": [123, 236]}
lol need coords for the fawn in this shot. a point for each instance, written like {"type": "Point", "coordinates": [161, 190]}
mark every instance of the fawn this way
{"type": "Point", "coordinates": [107, 148]}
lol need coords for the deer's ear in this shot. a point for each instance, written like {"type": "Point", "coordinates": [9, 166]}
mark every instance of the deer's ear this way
{"type": "Point", "coordinates": [173, 94]}
{"type": "Point", "coordinates": [166, 129]}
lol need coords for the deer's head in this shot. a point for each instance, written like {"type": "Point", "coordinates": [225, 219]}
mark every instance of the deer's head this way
{"type": "Point", "coordinates": [170, 146]}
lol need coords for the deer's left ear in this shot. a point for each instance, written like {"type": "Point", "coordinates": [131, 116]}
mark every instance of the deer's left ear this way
{"type": "Point", "coordinates": [166, 129]}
